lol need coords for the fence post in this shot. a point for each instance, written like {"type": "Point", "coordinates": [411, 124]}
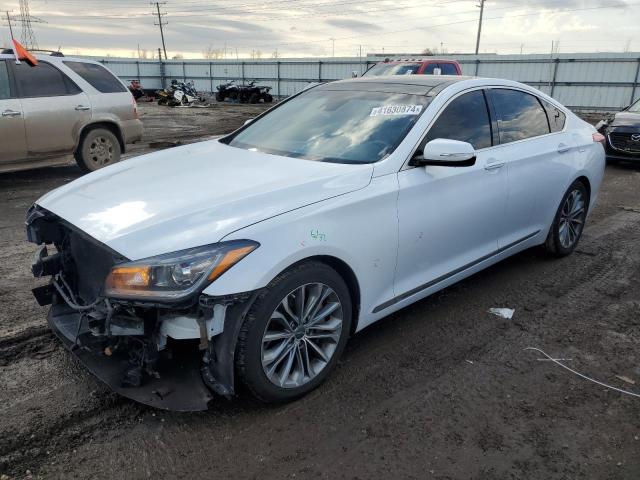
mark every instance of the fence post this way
{"type": "Point", "coordinates": [278, 73]}
{"type": "Point", "coordinates": [477, 67]}
{"type": "Point", "coordinates": [242, 64]}
{"type": "Point", "coordinates": [320, 71]}
{"type": "Point", "coordinates": [184, 72]}
{"type": "Point", "coordinates": [555, 74]}
{"type": "Point", "coordinates": [138, 69]}
{"type": "Point", "coordinates": [635, 83]}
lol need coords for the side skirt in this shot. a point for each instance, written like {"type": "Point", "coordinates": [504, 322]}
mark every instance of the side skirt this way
{"type": "Point", "coordinates": [446, 276]}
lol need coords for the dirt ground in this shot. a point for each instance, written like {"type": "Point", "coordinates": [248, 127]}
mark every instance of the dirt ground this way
{"type": "Point", "coordinates": [441, 389]}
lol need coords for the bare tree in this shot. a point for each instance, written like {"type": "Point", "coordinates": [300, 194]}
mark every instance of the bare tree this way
{"type": "Point", "coordinates": [178, 56]}
{"type": "Point", "coordinates": [211, 53]}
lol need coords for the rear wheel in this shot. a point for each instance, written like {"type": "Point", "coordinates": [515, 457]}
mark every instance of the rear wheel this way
{"type": "Point", "coordinates": [568, 223]}
{"type": "Point", "coordinates": [254, 98]}
{"type": "Point", "coordinates": [268, 98]}
{"type": "Point", "coordinates": [294, 333]}
{"type": "Point", "coordinates": [98, 148]}
{"type": "Point", "coordinates": [219, 97]}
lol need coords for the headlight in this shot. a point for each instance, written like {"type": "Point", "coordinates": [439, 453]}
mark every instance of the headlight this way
{"type": "Point", "coordinates": [173, 276]}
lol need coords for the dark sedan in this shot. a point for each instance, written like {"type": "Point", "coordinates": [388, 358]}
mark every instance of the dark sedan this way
{"type": "Point", "coordinates": [623, 134]}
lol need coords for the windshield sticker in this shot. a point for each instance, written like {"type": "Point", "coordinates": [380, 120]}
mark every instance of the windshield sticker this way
{"type": "Point", "coordinates": [391, 110]}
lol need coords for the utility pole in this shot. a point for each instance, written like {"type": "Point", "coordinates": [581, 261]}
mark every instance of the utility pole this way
{"type": "Point", "coordinates": [161, 24]}
{"type": "Point", "coordinates": [28, 38]}
{"type": "Point", "coordinates": [479, 26]}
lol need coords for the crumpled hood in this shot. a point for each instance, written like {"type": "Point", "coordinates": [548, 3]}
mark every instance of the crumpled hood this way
{"type": "Point", "coordinates": [624, 119]}
{"type": "Point", "coordinates": [194, 195]}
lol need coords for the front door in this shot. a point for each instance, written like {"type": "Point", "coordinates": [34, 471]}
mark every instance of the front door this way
{"type": "Point", "coordinates": [450, 218]}
{"type": "Point", "coordinates": [12, 134]}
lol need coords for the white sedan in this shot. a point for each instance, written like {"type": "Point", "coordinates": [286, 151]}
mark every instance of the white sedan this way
{"type": "Point", "coordinates": [254, 257]}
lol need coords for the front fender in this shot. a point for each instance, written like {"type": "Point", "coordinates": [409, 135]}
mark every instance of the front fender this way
{"type": "Point", "coordinates": [359, 228]}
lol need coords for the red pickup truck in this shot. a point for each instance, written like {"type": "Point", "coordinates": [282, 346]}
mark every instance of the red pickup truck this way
{"type": "Point", "coordinates": [412, 66]}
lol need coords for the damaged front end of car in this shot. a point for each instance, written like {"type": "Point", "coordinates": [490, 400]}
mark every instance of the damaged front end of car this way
{"type": "Point", "coordinates": [144, 327]}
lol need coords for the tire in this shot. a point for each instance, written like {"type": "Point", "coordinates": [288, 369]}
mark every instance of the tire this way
{"type": "Point", "coordinates": [268, 314]}
{"type": "Point", "coordinates": [254, 98]}
{"type": "Point", "coordinates": [98, 148]}
{"type": "Point", "coordinates": [268, 98]}
{"type": "Point", "coordinates": [219, 97]}
{"type": "Point", "coordinates": [567, 227]}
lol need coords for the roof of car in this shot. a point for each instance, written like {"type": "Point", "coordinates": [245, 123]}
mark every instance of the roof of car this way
{"type": "Point", "coordinates": [49, 58]}
{"type": "Point", "coordinates": [409, 84]}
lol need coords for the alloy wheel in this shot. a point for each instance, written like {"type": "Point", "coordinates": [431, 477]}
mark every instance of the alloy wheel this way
{"type": "Point", "coordinates": [301, 335]}
{"type": "Point", "coordinates": [572, 218]}
{"type": "Point", "coordinates": [101, 151]}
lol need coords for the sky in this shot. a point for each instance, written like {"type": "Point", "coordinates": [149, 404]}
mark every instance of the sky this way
{"type": "Point", "coordinates": [325, 28]}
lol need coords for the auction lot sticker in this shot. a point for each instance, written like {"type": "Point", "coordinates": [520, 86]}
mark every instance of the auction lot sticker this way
{"type": "Point", "coordinates": [391, 110]}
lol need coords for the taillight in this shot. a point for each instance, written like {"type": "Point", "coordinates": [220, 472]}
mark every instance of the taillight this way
{"type": "Point", "coordinates": [135, 107]}
{"type": "Point", "coordinates": [598, 138]}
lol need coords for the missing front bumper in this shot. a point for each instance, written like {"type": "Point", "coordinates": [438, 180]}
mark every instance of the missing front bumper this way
{"type": "Point", "coordinates": [179, 387]}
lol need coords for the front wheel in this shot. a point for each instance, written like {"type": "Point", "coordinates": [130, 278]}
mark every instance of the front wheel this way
{"type": "Point", "coordinates": [568, 223]}
{"type": "Point", "coordinates": [294, 333]}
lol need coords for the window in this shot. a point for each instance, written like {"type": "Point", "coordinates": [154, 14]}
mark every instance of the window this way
{"type": "Point", "coordinates": [5, 87]}
{"type": "Point", "coordinates": [556, 117]}
{"type": "Point", "coordinates": [393, 69]}
{"type": "Point", "coordinates": [465, 119]}
{"type": "Point", "coordinates": [448, 69]}
{"type": "Point", "coordinates": [97, 76]}
{"type": "Point", "coordinates": [430, 69]}
{"type": "Point", "coordinates": [520, 115]}
{"type": "Point", "coordinates": [340, 126]}
{"type": "Point", "coordinates": [43, 80]}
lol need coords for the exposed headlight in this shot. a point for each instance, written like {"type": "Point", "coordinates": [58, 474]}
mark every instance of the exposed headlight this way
{"type": "Point", "coordinates": [176, 275]}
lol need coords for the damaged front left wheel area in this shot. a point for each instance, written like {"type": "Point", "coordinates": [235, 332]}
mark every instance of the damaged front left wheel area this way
{"type": "Point", "coordinates": [294, 333]}
{"type": "Point", "coordinates": [144, 328]}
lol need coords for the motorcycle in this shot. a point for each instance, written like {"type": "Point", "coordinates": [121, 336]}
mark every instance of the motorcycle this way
{"type": "Point", "coordinates": [227, 90]}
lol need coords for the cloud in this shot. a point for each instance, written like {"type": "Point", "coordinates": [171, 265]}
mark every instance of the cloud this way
{"type": "Point", "coordinates": [356, 25]}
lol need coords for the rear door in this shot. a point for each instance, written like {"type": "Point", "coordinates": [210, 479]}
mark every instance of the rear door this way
{"type": "Point", "coordinates": [55, 109]}
{"type": "Point", "coordinates": [536, 161]}
{"type": "Point", "coordinates": [13, 144]}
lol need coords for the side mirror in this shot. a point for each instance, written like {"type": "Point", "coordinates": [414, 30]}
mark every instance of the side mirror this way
{"type": "Point", "coordinates": [445, 153]}
{"type": "Point", "coordinates": [248, 121]}
{"type": "Point", "coordinates": [354, 74]}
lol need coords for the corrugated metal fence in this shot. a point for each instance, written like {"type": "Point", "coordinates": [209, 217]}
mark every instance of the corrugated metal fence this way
{"type": "Point", "coordinates": [603, 81]}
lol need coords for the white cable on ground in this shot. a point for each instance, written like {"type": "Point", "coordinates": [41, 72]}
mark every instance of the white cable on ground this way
{"type": "Point", "coordinates": [583, 376]}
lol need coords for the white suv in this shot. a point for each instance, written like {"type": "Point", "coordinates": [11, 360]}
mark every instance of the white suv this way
{"type": "Point", "coordinates": [61, 107]}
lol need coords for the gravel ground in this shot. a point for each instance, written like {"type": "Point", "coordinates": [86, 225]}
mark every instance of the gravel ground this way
{"type": "Point", "coordinates": [441, 389]}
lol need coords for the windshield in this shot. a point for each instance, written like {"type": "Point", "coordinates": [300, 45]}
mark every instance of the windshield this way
{"type": "Point", "coordinates": [334, 126]}
{"type": "Point", "coordinates": [635, 108]}
{"type": "Point", "coordinates": [393, 69]}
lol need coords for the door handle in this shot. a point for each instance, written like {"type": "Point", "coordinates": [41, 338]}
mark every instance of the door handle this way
{"type": "Point", "coordinates": [563, 148]}
{"type": "Point", "coordinates": [11, 113]}
{"type": "Point", "coordinates": [82, 108]}
{"type": "Point", "coordinates": [494, 165]}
